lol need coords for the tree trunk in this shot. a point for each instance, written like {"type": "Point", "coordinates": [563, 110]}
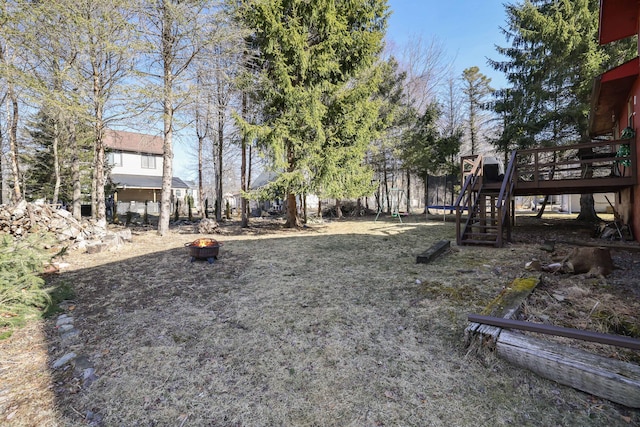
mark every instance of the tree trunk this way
{"type": "Point", "coordinates": [76, 203]}
{"type": "Point", "coordinates": [453, 199]}
{"type": "Point", "coordinates": [587, 209]}
{"type": "Point", "coordinates": [249, 178]}
{"type": "Point", "coordinates": [243, 167]}
{"type": "Point", "coordinates": [319, 208]}
{"type": "Point", "coordinates": [57, 124]}
{"type": "Point", "coordinates": [56, 160]}
{"type": "Point", "coordinates": [546, 198]}
{"type": "Point", "coordinates": [408, 193]}
{"type": "Point", "coordinates": [101, 210]}
{"type": "Point", "coordinates": [167, 147]}
{"type": "Point", "coordinates": [200, 175]}
{"type": "Point", "coordinates": [587, 204]}
{"type": "Point", "coordinates": [543, 207]}
{"type": "Point", "coordinates": [13, 143]}
{"type": "Point", "coordinates": [167, 172]}
{"type": "Point", "coordinates": [304, 208]}
{"type": "Point", "coordinates": [386, 185]}
{"type": "Point", "coordinates": [292, 212]}
{"type": "Point", "coordinates": [219, 189]}
{"type": "Point", "coordinates": [94, 177]}
{"type": "Point", "coordinates": [338, 209]}
{"type": "Point", "coordinates": [100, 213]}
{"type": "Point", "coordinates": [426, 193]}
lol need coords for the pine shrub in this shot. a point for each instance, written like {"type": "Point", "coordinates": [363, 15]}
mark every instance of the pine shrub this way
{"type": "Point", "coordinates": [21, 284]}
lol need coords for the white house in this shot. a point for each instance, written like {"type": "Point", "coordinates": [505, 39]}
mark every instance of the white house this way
{"type": "Point", "coordinates": [135, 162]}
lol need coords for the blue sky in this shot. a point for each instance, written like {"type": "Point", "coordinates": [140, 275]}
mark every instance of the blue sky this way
{"type": "Point", "coordinates": [468, 29]}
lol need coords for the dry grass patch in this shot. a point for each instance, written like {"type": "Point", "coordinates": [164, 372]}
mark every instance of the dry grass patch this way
{"type": "Point", "coordinates": [335, 324]}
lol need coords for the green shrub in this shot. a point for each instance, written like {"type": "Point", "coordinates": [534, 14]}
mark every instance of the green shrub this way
{"type": "Point", "coordinates": [22, 292]}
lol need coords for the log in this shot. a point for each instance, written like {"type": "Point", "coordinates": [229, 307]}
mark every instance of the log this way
{"type": "Point", "coordinates": [610, 379]}
{"type": "Point", "coordinates": [433, 252]}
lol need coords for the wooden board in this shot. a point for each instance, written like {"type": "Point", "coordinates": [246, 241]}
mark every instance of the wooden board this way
{"type": "Point", "coordinates": [431, 253]}
{"type": "Point", "coordinates": [506, 305]}
{"type": "Point", "coordinates": [607, 378]}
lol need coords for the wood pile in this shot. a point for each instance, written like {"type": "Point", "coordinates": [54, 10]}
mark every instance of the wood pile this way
{"type": "Point", "coordinates": [26, 218]}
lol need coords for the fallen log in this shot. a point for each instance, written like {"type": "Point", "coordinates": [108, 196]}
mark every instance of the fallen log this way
{"type": "Point", "coordinates": [610, 379]}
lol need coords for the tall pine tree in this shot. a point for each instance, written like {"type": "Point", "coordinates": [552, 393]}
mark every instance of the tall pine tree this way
{"type": "Point", "coordinates": [309, 50]}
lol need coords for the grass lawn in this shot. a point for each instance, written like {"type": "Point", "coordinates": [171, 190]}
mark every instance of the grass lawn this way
{"type": "Point", "coordinates": [331, 325]}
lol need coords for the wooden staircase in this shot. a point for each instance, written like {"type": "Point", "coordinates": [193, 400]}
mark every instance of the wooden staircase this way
{"type": "Point", "coordinates": [488, 207]}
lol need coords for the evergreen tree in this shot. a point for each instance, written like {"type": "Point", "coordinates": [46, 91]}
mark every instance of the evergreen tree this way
{"type": "Point", "coordinates": [352, 121]}
{"type": "Point", "coordinates": [309, 50]}
{"type": "Point", "coordinates": [425, 150]}
{"type": "Point", "coordinates": [40, 181]}
{"type": "Point", "coordinates": [40, 176]}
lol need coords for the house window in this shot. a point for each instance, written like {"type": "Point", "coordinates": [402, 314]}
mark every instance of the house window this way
{"type": "Point", "coordinates": [114, 158]}
{"type": "Point", "coordinates": [178, 193]}
{"type": "Point", "coordinates": [148, 161]}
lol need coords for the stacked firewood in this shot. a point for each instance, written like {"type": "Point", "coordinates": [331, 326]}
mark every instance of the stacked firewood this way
{"type": "Point", "coordinates": [26, 218]}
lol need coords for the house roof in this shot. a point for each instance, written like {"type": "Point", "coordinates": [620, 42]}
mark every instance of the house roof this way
{"type": "Point", "coordinates": [609, 95]}
{"type": "Point", "coordinates": [144, 182]}
{"type": "Point", "coordinates": [618, 20]}
{"type": "Point", "coordinates": [133, 142]}
{"type": "Point", "coordinates": [263, 179]}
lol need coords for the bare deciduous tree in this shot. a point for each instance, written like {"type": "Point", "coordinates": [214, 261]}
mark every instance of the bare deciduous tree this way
{"type": "Point", "coordinates": [175, 33]}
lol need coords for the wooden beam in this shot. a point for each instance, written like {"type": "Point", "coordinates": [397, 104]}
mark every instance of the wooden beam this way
{"type": "Point", "coordinates": [610, 379]}
{"type": "Point", "coordinates": [506, 305]}
{"type": "Point", "coordinates": [434, 251]}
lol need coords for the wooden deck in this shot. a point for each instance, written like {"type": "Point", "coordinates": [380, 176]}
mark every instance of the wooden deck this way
{"type": "Point", "coordinates": [597, 167]}
{"type": "Point", "coordinates": [572, 169]}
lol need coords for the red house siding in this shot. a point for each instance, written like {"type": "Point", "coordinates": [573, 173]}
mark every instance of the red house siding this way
{"type": "Point", "coordinates": [625, 202]}
{"type": "Point", "coordinates": [619, 19]}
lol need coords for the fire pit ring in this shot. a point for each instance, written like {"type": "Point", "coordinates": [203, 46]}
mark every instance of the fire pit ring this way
{"type": "Point", "coordinates": [204, 248]}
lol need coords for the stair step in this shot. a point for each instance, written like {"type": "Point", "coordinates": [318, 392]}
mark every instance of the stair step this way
{"type": "Point", "coordinates": [478, 242]}
{"type": "Point", "coordinates": [480, 236]}
{"type": "Point", "coordinates": [484, 224]}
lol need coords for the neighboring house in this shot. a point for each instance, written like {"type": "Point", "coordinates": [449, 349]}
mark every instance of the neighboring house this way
{"type": "Point", "coordinates": [136, 165]}
{"type": "Point", "coordinates": [259, 206]}
{"type": "Point", "coordinates": [615, 98]}
{"type": "Point", "coordinates": [276, 205]}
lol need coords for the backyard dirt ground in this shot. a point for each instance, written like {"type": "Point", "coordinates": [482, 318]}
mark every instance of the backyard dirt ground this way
{"type": "Point", "coordinates": [334, 324]}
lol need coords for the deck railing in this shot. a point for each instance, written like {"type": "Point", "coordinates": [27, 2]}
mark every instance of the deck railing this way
{"type": "Point", "coordinates": [608, 162]}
